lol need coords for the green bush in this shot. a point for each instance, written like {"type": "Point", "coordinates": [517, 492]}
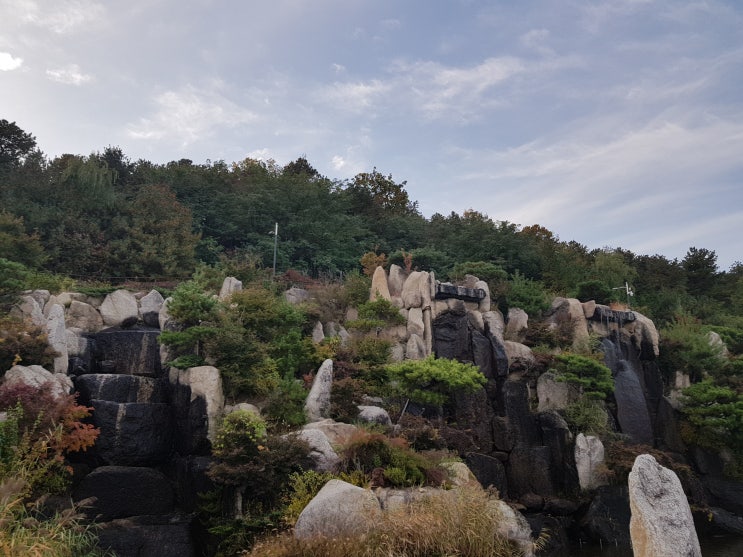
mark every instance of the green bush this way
{"type": "Point", "coordinates": [434, 380]}
{"type": "Point", "coordinates": [483, 270]}
{"type": "Point", "coordinates": [595, 290]}
{"type": "Point", "coordinates": [190, 305]}
{"type": "Point", "coordinates": [593, 377]}
{"type": "Point", "coordinates": [527, 294]}
{"type": "Point", "coordinates": [345, 396]}
{"type": "Point", "coordinates": [685, 347]}
{"type": "Point", "coordinates": [587, 416]}
{"type": "Point", "coordinates": [284, 407]}
{"type": "Point", "coordinates": [382, 310]}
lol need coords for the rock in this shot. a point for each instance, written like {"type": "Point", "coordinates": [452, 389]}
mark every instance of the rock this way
{"type": "Point", "coordinates": [133, 433]}
{"type": "Point", "coordinates": [416, 292]}
{"type": "Point", "coordinates": [554, 394]}
{"type": "Point", "coordinates": [36, 376]}
{"type": "Point", "coordinates": [484, 305]}
{"type": "Point", "coordinates": [198, 404]}
{"type": "Point", "coordinates": [148, 536]}
{"type": "Point", "coordinates": [119, 388]}
{"type": "Point", "coordinates": [321, 450]}
{"type": "Point", "coordinates": [644, 336]}
{"type": "Point", "coordinates": [230, 285]}
{"type": "Point", "coordinates": [489, 471]}
{"type": "Point", "coordinates": [397, 352]}
{"type": "Point", "coordinates": [149, 308]}
{"type": "Point", "coordinates": [494, 323]}
{"type": "Point", "coordinates": [530, 471]}
{"type": "Point", "coordinates": [475, 320]}
{"type": "Point", "coordinates": [29, 308]}
{"type": "Point", "coordinates": [519, 355]}
{"type": "Point", "coordinates": [532, 502]}
{"type": "Point", "coordinates": [317, 405]}
{"type": "Point", "coordinates": [516, 325]}
{"type": "Point", "coordinates": [77, 345]}
{"type": "Point", "coordinates": [41, 297]}
{"type": "Point", "coordinates": [415, 322]}
{"type": "Point", "coordinates": [318, 335]}
{"type": "Point", "coordinates": [163, 319]}
{"type": "Point", "coordinates": [296, 295]}
{"type": "Point", "coordinates": [374, 415]}
{"type": "Point", "coordinates": [133, 351]}
{"type": "Point", "coordinates": [122, 491]}
{"type": "Point", "coordinates": [57, 337]}
{"type": "Point", "coordinates": [715, 341]}
{"type": "Point", "coordinates": [396, 280]}
{"type": "Point", "coordinates": [661, 523]}
{"type": "Point", "coordinates": [589, 308]}
{"type": "Point", "coordinates": [608, 515]}
{"type": "Point", "coordinates": [117, 307]}
{"type": "Point", "coordinates": [379, 288]}
{"type": "Point", "coordinates": [459, 474]}
{"type": "Point", "coordinates": [415, 348]}
{"type": "Point", "coordinates": [83, 316]}
{"type": "Point", "coordinates": [513, 526]}
{"type": "Point", "coordinates": [339, 509]}
{"type": "Point", "coordinates": [589, 460]}
{"type": "Point", "coordinates": [570, 310]}
{"type": "Point", "coordinates": [338, 433]}
{"type": "Point", "coordinates": [632, 410]}
{"type": "Point", "coordinates": [242, 407]}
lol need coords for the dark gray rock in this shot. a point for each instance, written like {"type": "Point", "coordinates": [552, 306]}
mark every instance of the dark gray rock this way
{"type": "Point", "coordinates": [190, 421]}
{"type": "Point", "coordinates": [148, 536]}
{"type": "Point", "coordinates": [530, 471]}
{"type": "Point", "coordinates": [608, 515]}
{"type": "Point", "coordinates": [524, 427]}
{"type": "Point", "coordinates": [632, 411]}
{"type": "Point", "coordinates": [133, 434]}
{"type": "Point", "coordinates": [725, 493]}
{"type": "Point", "coordinates": [190, 474]}
{"type": "Point", "coordinates": [560, 507]}
{"type": "Point", "coordinates": [133, 351]}
{"type": "Point", "coordinates": [489, 471]}
{"type": "Point", "coordinates": [119, 388]}
{"type": "Point", "coordinates": [557, 437]}
{"type": "Point", "coordinates": [122, 491]}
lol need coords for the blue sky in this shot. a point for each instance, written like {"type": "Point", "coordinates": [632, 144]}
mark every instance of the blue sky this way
{"type": "Point", "coordinates": [614, 123]}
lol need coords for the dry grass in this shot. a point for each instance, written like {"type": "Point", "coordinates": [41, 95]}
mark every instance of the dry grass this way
{"type": "Point", "coordinates": [460, 523]}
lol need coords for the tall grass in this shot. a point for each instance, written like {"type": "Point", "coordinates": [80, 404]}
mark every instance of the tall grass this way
{"type": "Point", "coordinates": [461, 522]}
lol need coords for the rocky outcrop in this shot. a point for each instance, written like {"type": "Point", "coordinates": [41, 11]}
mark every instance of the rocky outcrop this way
{"type": "Point", "coordinates": [119, 307]}
{"type": "Point", "coordinates": [339, 509]}
{"type": "Point", "coordinates": [317, 404]}
{"type": "Point", "coordinates": [661, 523]}
{"type": "Point", "coordinates": [379, 288]}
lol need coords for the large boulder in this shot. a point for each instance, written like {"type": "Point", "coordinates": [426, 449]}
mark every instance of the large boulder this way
{"type": "Point", "coordinates": [118, 307]}
{"type": "Point", "coordinates": [230, 285]}
{"type": "Point", "coordinates": [589, 460]}
{"type": "Point", "coordinates": [339, 509]}
{"type": "Point", "coordinates": [148, 536]}
{"type": "Point", "coordinates": [198, 403]}
{"type": "Point", "coordinates": [122, 491]}
{"type": "Point", "coordinates": [28, 307]}
{"type": "Point", "coordinates": [379, 287]}
{"type": "Point", "coordinates": [554, 394]}
{"type": "Point", "coordinates": [516, 325]}
{"type": "Point", "coordinates": [513, 526]}
{"type": "Point", "coordinates": [644, 336]}
{"type": "Point", "coordinates": [81, 315]}
{"type": "Point", "coordinates": [296, 295]}
{"type": "Point", "coordinates": [133, 433]}
{"type": "Point", "coordinates": [416, 292]}
{"type": "Point", "coordinates": [415, 322]}
{"type": "Point", "coordinates": [119, 388]}
{"type": "Point", "coordinates": [149, 308]}
{"type": "Point", "coordinates": [57, 337]}
{"type": "Point", "coordinates": [36, 377]}
{"type": "Point", "coordinates": [396, 280]}
{"type": "Point", "coordinates": [326, 459]}
{"type": "Point", "coordinates": [661, 523]}
{"type": "Point", "coordinates": [338, 433]}
{"type": "Point", "coordinates": [317, 404]}
{"type": "Point", "coordinates": [519, 355]}
{"type": "Point", "coordinates": [133, 351]}
{"type": "Point", "coordinates": [374, 415]}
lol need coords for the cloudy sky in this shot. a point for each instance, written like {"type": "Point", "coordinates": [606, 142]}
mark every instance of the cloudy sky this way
{"type": "Point", "coordinates": [611, 122]}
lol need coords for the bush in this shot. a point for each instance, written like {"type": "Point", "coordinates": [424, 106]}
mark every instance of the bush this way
{"type": "Point", "coordinates": [285, 405]}
{"type": "Point", "coordinates": [434, 380]}
{"type": "Point", "coordinates": [685, 347]}
{"type": "Point", "coordinates": [595, 290]}
{"type": "Point", "coordinates": [345, 396]}
{"type": "Point", "coordinates": [593, 377]}
{"type": "Point", "coordinates": [382, 310]}
{"type": "Point", "coordinates": [587, 416]}
{"type": "Point", "coordinates": [190, 305]}
{"type": "Point", "coordinates": [483, 270]}
{"type": "Point", "coordinates": [527, 294]}
{"type": "Point", "coordinates": [23, 343]}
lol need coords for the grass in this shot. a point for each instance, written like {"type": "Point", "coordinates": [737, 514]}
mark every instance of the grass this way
{"type": "Point", "coordinates": [462, 522]}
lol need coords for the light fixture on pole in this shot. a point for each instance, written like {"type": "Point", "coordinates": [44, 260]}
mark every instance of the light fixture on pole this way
{"type": "Point", "coordinates": [275, 244]}
{"type": "Point", "coordinates": [627, 289]}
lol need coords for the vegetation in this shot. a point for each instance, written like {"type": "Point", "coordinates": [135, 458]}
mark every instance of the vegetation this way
{"type": "Point", "coordinates": [591, 376]}
{"type": "Point", "coordinates": [433, 527]}
{"type": "Point", "coordinates": [433, 380]}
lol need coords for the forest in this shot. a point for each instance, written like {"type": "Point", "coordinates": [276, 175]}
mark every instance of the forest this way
{"type": "Point", "coordinates": [105, 218]}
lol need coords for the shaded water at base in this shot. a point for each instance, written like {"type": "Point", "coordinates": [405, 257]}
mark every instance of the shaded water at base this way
{"type": "Point", "coordinates": [717, 546]}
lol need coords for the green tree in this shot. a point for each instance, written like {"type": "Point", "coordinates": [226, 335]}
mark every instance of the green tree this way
{"type": "Point", "coordinates": [434, 380]}
{"type": "Point", "coordinates": [15, 145]}
{"type": "Point", "coordinates": [593, 377]}
{"type": "Point", "coordinates": [701, 270]}
{"type": "Point", "coordinates": [16, 244]}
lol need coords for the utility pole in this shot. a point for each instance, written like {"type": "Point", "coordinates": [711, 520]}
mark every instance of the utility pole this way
{"type": "Point", "coordinates": [275, 245]}
{"type": "Point", "coordinates": [627, 289]}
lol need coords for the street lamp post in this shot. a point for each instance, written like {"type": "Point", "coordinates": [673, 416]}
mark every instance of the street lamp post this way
{"type": "Point", "coordinates": [275, 244]}
{"type": "Point", "coordinates": [627, 289]}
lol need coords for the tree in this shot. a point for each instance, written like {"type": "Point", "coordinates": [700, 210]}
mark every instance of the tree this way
{"type": "Point", "coordinates": [16, 245]}
{"type": "Point", "coordinates": [15, 144]}
{"type": "Point", "coordinates": [377, 194]}
{"type": "Point", "coordinates": [701, 270]}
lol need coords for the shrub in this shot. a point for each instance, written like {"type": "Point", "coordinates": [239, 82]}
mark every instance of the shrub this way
{"type": "Point", "coordinates": [593, 377]}
{"type": "Point", "coordinates": [22, 342]}
{"type": "Point", "coordinates": [595, 290]}
{"type": "Point", "coordinates": [381, 310]}
{"type": "Point", "coordinates": [526, 294]}
{"type": "Point", "coordinates": [356, 288]}
{"type": "Point", "coordinates": [241, 436]}
{"type": "Point", "coordinates": [588, 416]}
{"type": "Point", "coordinates": [481, 269]}
{"type": "Point", "coordinates": [434, 380]}
{"type": "Point", "coordinates": [345, 396]}
{"type": "Point", "coordinates": [685, 347]}
{"type": "Point", "coordinates": [285, 405]}
{"type": "Point", "coordinates": [190, 305]}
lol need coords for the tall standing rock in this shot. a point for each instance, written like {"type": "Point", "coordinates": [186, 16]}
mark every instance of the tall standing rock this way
{"type": "Point", "coordinates": [57, 335]}
{"type": "Point", "coordinates": [379, 288]}
{"type": "Point", "coordinates": [230, 285]}
{"type": "Point", "coordinates": [149, 308]}
{"type": "Point", "coordinates": [317, 404]}
{"type": "Point", "coordinates": [661, 523]}
{"type": "Point", "coordinates": [589, 460]}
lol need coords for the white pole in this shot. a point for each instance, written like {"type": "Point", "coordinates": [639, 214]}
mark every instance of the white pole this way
{"type": "Point", "coordinates": [275, 243]}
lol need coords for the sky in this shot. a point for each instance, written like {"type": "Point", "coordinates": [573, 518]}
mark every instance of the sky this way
{"type": "Point", "coordinates": [614, 123]}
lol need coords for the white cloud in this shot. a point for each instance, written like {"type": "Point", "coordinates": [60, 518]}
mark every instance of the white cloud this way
{"type": "Point", "coordinates": [8, 62]}
{"type": "Point", "coordinates": [338, 162]}
{"type": "Point", "coordinates": [187, 115]}
{"type": "Point", "coordinates": [69, 75]}
{"type": "Point", "coordinates": [338, 68]}
{"type": "Point", "coordinates": [59, 16]}
{"type": "Point", "coordinates": [354, 96]}
{"type": "Point", "coordinates": [535, 40]}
